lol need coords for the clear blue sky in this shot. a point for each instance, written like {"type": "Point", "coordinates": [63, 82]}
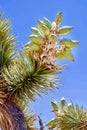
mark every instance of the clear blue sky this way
{"type": "Point", "coordinates": [24, 15]}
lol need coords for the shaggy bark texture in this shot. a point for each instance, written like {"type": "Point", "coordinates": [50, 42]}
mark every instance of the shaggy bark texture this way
{"type": "Point", "coordinates": [11, 118]}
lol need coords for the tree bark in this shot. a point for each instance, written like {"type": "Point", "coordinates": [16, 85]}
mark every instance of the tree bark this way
{"type": "Point", "coordinates": [11, 117]}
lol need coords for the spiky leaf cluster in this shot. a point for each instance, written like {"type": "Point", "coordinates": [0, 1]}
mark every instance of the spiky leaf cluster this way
{"type": "Point", "coordinates": [68, 117]}
{"type": "Point", "coordinates": [28, 78]}
{"type": "Point", "coordinates": [6, 42]}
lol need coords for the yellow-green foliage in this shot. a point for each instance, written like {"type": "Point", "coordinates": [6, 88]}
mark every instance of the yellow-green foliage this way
{"type": "Point", "coordinates": [68, 116]}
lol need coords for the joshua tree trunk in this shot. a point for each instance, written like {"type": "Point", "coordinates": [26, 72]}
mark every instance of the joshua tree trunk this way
{"type": "Point", "coordinates": [11, 118]}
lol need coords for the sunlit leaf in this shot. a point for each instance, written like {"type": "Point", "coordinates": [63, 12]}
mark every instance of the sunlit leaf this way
{"type": "Point", "coordinates": [35, 31]}
{"type": "Point", "coordinates": [70, 108]}
{"type": "Point", "coordinates": [31, 46]}
{"type": "Point", "coordinates": [58, 19]}
{"type": "Point", "coordinates": [53, 123]}
{"type": "Point", "coordinates": [60, 55]}
{"type": "Point", "coordinates": [42, 28]}
{"type": "Point", "coordinates": [36, 39]}
{"type": "Point", "coordinates": [69, 55]}
{"type": "Point", "coordinates": [47, 23]}
{"type": "Point", "coordinates": [69, 43]}
{"type": "Point", "coordinates": [53, 38]}
{"type": "Point", "coordinates": [54, 105]}
{"type": "Point", "coordinates": [53, 28]}
{"type": "Point", "coordinates": [7, 42]}
{"type": "Point", "coordinates": [65, 30]}
{"type": "Point", "coordinates": [70, 104]}
{"type": "Point", "coordinates": [62, 103]}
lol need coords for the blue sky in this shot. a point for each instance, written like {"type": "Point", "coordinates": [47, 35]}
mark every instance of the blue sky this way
{"type": "Point", "coordinates": [24, 14]}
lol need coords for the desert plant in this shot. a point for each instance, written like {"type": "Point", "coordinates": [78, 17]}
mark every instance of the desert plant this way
{"type": "Point", "coordinates": [26, 74]}
{"type": "Point", "coordinates": [68, 116]}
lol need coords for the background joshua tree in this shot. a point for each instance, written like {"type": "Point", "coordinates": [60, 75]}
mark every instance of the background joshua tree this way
{"type": "Point", "coordinates": [27, 74]}
{"type": "Point", "coordinates": [68, 116]}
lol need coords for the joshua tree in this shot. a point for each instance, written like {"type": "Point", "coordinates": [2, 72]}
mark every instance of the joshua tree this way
{"type": "Point", "coordinates": [27, 74]}
{"type": "Point", "coordinates": [68, 116]}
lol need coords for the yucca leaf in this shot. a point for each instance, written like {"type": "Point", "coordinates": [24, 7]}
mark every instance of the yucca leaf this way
{"type": "Point", "coordinates": [53, 28]}
{"type": "Point", "coordinates": [54, 105]}
{"type": "Point", "coordinates": [31, 46]}
{"type": "Point", "coordinates": [69, 54]}
{"type": "Point", "coordinates": [62, 103]}
{"type": "Point", "coordinates": [53, 123]}
{"type": "Point", "coordinates": [60, 55]}
{"type": "Point", "coordinates": [53, 38]}
{"type": "Point", "coordinates": [70, 105]}
{"type": "Point", "coordinates": [42, 28]}
{"type": "Point", "coordinates": [58, 19]}
{"type": "Point", "coordinates": [36, 39]}
{"type": "Point", "coordinates": [47, 23]}
{"type": "Point", "coordinates": [69, 43]}
{"type": "Point", "coordinates": [6, 42]}
{"type": "Point", "coordinates": [35, 31]}
{"type": "Point", "coordinates": [65, 30]}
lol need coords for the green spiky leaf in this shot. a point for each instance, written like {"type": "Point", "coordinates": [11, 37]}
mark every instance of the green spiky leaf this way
{"type": "Point", "coordinates": [53, 123]}
{"type": "Point", "coordinates": [53, 38]}
{"type": "Point", "coordinates": [31, 46]}
{"type": "Point", "coordinates": [7, 42]}
{"type": "Point", "coordinates": [62, 103]}
{"type": "Point", "coordinates": [65, 30]}
{"type": "Point", "coordinates": [69, 43]}
{"type": "Point", "coordinates": [42, 28]}
{"type": "Point", "coordinates": [69, 54]}
{"type": "Point", "coordinates": [60, 56]}
{"type": "Point", "coordinates": [47, 23]}
{"type": "Point", "coordinates": [35, 31]}
{"type": "Point", "coordinates": [70, 105]}
{"type": "Point", "coordinates": [36, 39]}
{"type": "Point", "coordinates": [58, 19]}
{"type": "Point", "coordinates": [54, 105]}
